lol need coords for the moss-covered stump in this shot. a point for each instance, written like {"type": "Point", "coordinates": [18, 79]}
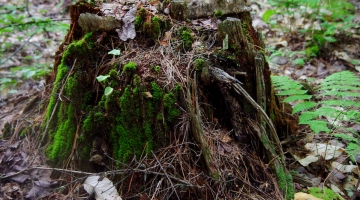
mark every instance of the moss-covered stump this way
{"type": "Point", "coordinates": [153, 106]}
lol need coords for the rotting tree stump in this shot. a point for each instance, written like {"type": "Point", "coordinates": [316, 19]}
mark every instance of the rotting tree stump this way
{"type": "Point", "coordinates": [185, 102]}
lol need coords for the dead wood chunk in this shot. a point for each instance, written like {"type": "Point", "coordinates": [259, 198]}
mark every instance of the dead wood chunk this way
{"type": "Point", "coordinates": [193, 9]}
{"type": "Point", "coordinates": [92, 22]}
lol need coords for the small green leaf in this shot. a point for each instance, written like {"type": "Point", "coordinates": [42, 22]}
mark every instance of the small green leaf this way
{"type": "Point", "coordinates": [102, 78]}
{"type": "Point", "coordinates": [303, 106]}
{"type": "Point", "coordinates": [299, 61]}
{"type": "Point", "coordinates": [329, 39]}
{"type": "Point", "coordinates": [353, 149]}
{"type": "Point", "coordinates": [108, 91]}
{"type": "Point", "coordinates": [5, 80]}
{"type": "Point", "coordinates": [355, 62]}
{"type": "Point", "coordinates": [13, 91]}
{"type": "Point", "coordinates": [115, 52]}
{"type": "Point", "coordinates": [297, 98]}
{"type": "Point", "coordinates": [267, 15]}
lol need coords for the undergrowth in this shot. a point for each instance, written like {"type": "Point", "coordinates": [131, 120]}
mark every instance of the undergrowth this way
{"type": "Point", "coordinates": [320, 21]}
{"type": "Point", "coordinates": [339, 104]}
{"type": "Point", "coordinates": [17, 29]}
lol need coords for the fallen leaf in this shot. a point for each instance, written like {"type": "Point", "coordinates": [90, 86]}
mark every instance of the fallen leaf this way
{"type": "Point", "coordinates": [104, 189]}
{"type": "Point", "coordinates": [304, 196]}
{"type": "Point", "coordinates": [307, 160]}
{"type": "Point", "coordinates": [148, 95]}
{"type": "Point", "coordinates": [325, 150]}
{"type": "Point", "coordinates": [343, 168]}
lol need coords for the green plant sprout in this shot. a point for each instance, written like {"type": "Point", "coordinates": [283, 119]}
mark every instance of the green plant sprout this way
{"type": "Point", "coordinates": [108, 89]}
{"type": "Point", "coordinates": [130, 67]}
{"type": "Point", "coordinates": [115, 52]}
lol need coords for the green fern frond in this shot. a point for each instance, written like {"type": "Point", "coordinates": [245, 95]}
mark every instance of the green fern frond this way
{"type": "Point", "coordinates": [340, 87]}
{"type": "Point", "coordinates": [341, 94]}
{"type": "Point", "coordinates": [345, 137]}
{"type": "Point", "coordinates": [318, 126]}
{"type": "Point", "coordinates": [291, 92]}
{"type": "Point", "coordinates": [330, 112]}
{"type": "Point", "coordinates": [341, 102]}
{"type": "Point", "coordinates": [353, 115]}
{"type": "Point", "coordinates": [289, 86]}
{"type": "Point", "coordinates": [296, 98]}
{"type": "Point", "coordinates": [303, 106]}
{"type": "Point", "coordinates": [305, 117]}
{"type": "Point", "coordinates": [342, 78]}
{"type": "Point", "coordinates": [285, 83]}
{"type": "Point", "coordinates": [352, 149]}
{"type": "Point", "coordinates": [342, 84]}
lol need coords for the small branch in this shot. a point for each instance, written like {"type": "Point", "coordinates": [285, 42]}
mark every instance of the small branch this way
{"type": "Point", "coordinates": [172, 185]}
{"type": "Point", "coordinates": [17, 50]}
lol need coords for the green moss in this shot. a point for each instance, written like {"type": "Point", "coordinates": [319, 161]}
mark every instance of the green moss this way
{"type": "Point", "coordinates": [138, 23]}
{"type": "Point", "coordinates": [218, 14]}
{"type": "Point", "coordinates": [285, 183]}
{"type": "Point", "coordinates": [77, 47]}
{"type": "Point", "coordinates": [327, 195]}
{"type": "Point", "coordinates": [130, 68]}
{"type": "Point", "coordinates": [63, 126]}
{"type": "Point", "coordinates": [86, 101]}
{"type": "Point", "coordinates": [272, 115]}
{"type": "Point", "coordinates": [157, 93]}
{"type": "Point", "coordinates": [216, 176]}
{"type": "Point", "coordinates": [133, 133]}
{"type": "Point", "coordinates": [113, 74]}
{"type": "Point", "coordinates": [155, 25]}
{"type": "Point", "coordinates": [169, 105]}
{"type": "Point", "coordinates": [312, 51]}
{"type": "Point", "coordinates": [157, 69]}
{"type": "Point", "coordinates": [187, 39]}
{"type": "Point", "coordinates": [61, 146]}
{"type": "Point", "coordinates": [142, 13]}
{"type": "Point", "coordinates": [178, 88]}
{"type": "Point", "coordinates": [25, 131]}
{"type": "Point", "coordinates": [199, 64]}
{"type": "Point", "coordinates": [159, 117]}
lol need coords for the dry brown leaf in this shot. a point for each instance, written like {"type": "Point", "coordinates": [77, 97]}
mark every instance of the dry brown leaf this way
{"type": "Point", "coordinates": [226, 139]}
{"type": "Point", "coordinates": [304, 196]}
{"type": "Point", "coordinates": [164, 43]}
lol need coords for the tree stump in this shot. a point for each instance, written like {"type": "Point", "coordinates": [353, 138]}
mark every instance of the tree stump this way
{"type": "Point", "coordinates": [183, 103]}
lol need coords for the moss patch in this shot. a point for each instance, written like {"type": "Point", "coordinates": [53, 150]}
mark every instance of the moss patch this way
{"type": "Point", "coordinates": [133, 133]}
{"type": "Point", "coordinates": [285, 183]}
{"type": "Point", "coordinates": [169, 106]}
{"type": "Point", "coordinates": [62, 127]}
{"type": "Point", "coordinates": [199, 64]}
{"type": "Point", "coordinates": [130, 68]}
{"type": "Point", "coordinates": [186, 37]}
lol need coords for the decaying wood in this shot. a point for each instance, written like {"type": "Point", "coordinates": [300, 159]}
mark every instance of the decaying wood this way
{"type": "Point", "coordinates": [194, 9]}
{"type": "Point", "coordinates": [224, 77]}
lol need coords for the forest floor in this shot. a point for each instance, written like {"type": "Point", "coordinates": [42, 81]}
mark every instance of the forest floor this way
{"type": "Point", "coordinates": [22, 84]}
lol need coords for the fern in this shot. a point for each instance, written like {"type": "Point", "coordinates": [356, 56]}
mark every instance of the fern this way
{"type": "Point", "coordinates": [352, 149]}
{"type": "Point", "coordinates": [345, 137]}
{"type": "Point", "coordinates": [303, 106]}
{"type": "Point", "coordinates": [341, 91]}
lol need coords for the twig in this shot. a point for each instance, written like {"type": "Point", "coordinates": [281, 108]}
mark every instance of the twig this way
{"type": "Point", "coordinates": [17, 50]}
{"type": "Point", "coordinates": [172, 185]}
